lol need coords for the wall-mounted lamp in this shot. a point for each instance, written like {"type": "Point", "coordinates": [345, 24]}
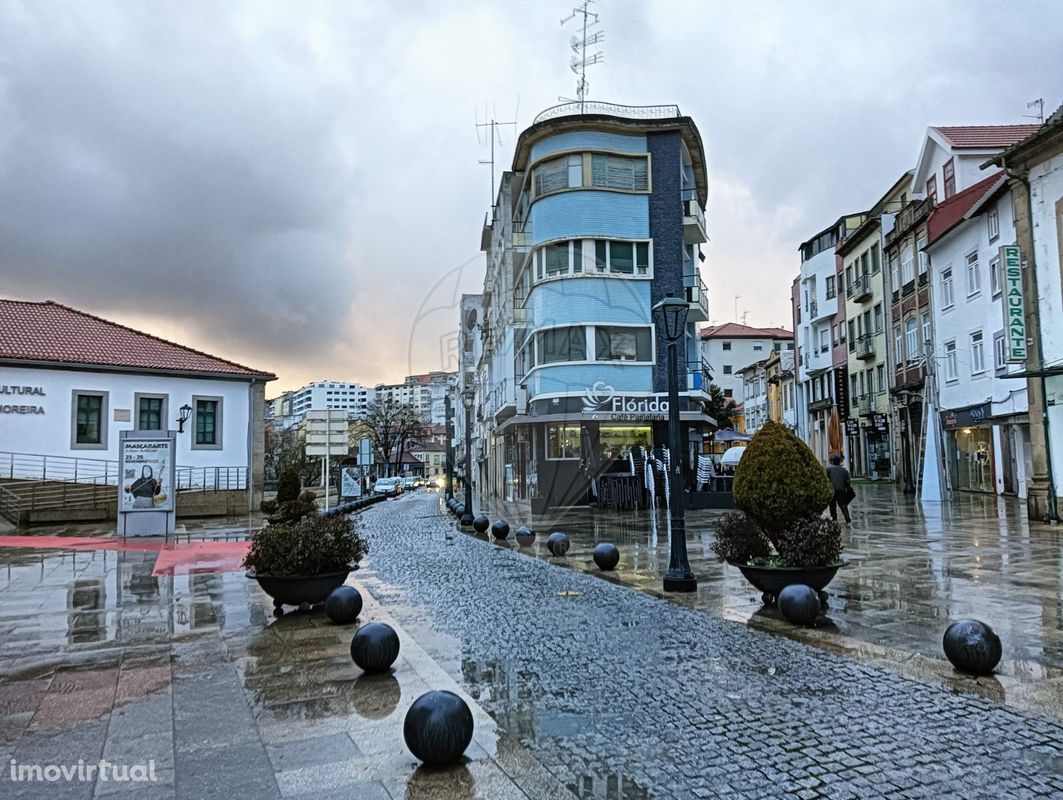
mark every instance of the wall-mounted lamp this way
{"type": "Point", "coordinates": [185, 412]}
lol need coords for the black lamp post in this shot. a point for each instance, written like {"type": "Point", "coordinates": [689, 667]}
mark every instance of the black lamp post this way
{"type": "Point", "coordinates": [450, 446]}
{"type": "Point", "coordinates": [185, 412]}
{"type": "Point", "coordinates": [906, 445]}
{"type": "Point", "coordinates": [467, 396]}
{"type": "Point", "coordinates": [672, 314]}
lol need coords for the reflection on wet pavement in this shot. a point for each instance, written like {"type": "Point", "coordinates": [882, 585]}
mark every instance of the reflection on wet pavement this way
{"type": "Point", "coordinates": [912, 568]}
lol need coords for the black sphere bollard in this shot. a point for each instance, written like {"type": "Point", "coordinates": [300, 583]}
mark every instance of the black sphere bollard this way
{"type": "Point", "coordinates": [438, 728]}
{"type": "Point", "coordinates": [343, 605]}
{"type": "Point", "coordinates": [558, 543]}
{"type": "Point", "coordinates": [799, 604]}
{"type": "Point", "coordinates": [375, 647]}
{"type": "Point", "coordinates": [525, 536]}
{"type": "Point", "coordinates": [606, 556]}
{"type": "Point", "coordinates": [972, 647]}
{"type": "Point", "coordinates": [459, 510]}
{"type": "Point", "coordinates": [481, 523]}
{"type": "Point", "coordinates": [500, 530]}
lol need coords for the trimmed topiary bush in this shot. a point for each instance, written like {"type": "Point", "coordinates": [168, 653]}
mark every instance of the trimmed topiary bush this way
{"type": "Point", "coordinates": [812, 542]}
{"type": "Point", "coordinates": [779, 481]}
{"type": "Point", "coordinates": [288, 486]}
{"type": "Point", "coordinates": [310, 547]}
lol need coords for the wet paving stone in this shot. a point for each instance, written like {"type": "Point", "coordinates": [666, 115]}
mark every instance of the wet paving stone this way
{"type": "Point", "coordinates": [729, 709]}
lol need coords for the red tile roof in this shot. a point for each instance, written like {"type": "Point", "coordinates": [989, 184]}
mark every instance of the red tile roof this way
{"type": "Point", "coordinates": [732, 330]}
{"type": "Point", "coordinates": [949, 213]}
{"type": "Point", "coordinates": [985, 137]}
{"type": "Point", "coordinates": [52, 332]}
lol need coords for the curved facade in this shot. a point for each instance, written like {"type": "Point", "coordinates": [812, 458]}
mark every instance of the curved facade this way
{"type": "Point", "coordinates": [600, 218]}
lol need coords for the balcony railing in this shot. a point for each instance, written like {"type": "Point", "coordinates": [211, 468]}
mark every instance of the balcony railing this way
{"type": "Point", "coordinates": [865, 346]}
{"type": "Point", "coordinates": [694, 230]}
{"type": "Point", "coordinates": [821, 404]}
{"type": "Point", "coordinates": [813, 309]}
{"type": "Point", "coordinates": [698, 296]}
{"type": "Point", "coordinates": [865, 404]}
{"type": "Point", "coordinates": [576, 109]}
{"type": "Point", "coordinates": [860, 289]}
{"type": "Point", "coordinates": [698, 376]}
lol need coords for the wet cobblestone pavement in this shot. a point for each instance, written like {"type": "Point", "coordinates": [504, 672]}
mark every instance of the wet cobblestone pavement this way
{"type": "Point", "coordinates": [623, 695]}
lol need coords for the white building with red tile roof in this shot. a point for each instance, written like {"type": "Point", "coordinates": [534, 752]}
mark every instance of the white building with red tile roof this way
{"type": "Point", "coordinates": [71, 381]}
{"type": "Point", "coordinates": [729, 347]}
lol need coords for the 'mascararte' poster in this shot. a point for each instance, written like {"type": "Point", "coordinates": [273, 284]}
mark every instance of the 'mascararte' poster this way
{"type": "Point", "coordinates": [147, 470]}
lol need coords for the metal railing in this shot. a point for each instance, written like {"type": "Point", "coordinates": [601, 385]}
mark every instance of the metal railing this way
{"type": "Point", "coordinates": [10, 505]}
{"type": "Point", "coordinates": [211, 479]}
{"type": "Point", "coordinates": [865, 346]}
{"type": "Point", "coordinates": [577, 108]}
{"type": "Point", "coordinates": [813, 309]}
{"type": "Point", "coordinates": [25, 496]}
{"type": "Point", "coordinates": [697, 293]}
{"type": "Point", "coordinates": [860, 288]}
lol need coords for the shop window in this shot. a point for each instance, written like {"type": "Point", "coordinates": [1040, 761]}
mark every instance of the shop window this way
{"type": "Point", "coordinates": [563, 442]}
{"type": "Point", "coordinates": [614, 343]}
{"type": "Point", "coordinates": [618, 440]}
{"type": "Point", "coordinates": [89, 410]}
{"type": "Point", "coordinates": [206, 423]}
{"type": "Point", "coordinates": [562, 344]}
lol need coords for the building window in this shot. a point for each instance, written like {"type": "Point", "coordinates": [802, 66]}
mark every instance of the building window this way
{"type": "Point", "coordinates": [555, 175]}
{"type": "Point", "coordinates": [622, 344]}
{"type": "Point", "coordinates": [728, 392]}
{"type": "Point", "coordinates": [562, 442]}
{"type": "Point", "coordinates": [977, 353]}
{"type": "Point", "coordinates": [895, 276]}
{"type": "Point", "coordinates": [824, 340]}
{"type": "Point", "coordinates": [726, 345]}
{"type": "Point", "coordinates": [89, 420]}
{"type": "Point", "coordinates": [951, 370]}
{"type": "Point", "coordinates": [150, 411]}
{"type": "Point", "coordinates": [878, 318]}
{"type": "Point", "coordinates": [911, 338]}
{"type": "Point", "coordinates": [622, 257]}
{"type": "Point", "coordinates": [949, 174]}
{"type": "Point", "coordinates": [992, 221]}
{"type": "Point", "coordinates": [907, 264]}
{"type": "Point", "coordinates": [1000, 352]}
{"type": "Point", "coordinates": [994, 275]}
{"type": "Point", "coordinates": [946, 289]}
{"type": "Point", "coordinates": [562, 344]}
{"type": "Point", "coordinates": [880, 371]}
{"type": "Point", "coordinates": [926, 333]}
{"type": "Point", "coordinates": [831, 292]}
{"type": "Point", "coordinates": [898, 346]}
{"type": "Point", "coordinates": [206, 423]}
{"type": "Point", "coordinates": [619, 172]}
{"type": "Point", "coordinates": [974, 280]}
{"type": "Point", "coordinates": [932, 189]}
{"type": "Point", "coordinates": [758, 347]}
{"type": "Point", "coordinates": [727, 369]}
{"type": "Point", "coordinates": [924, 259]}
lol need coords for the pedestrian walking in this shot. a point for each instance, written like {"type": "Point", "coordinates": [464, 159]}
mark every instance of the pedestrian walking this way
{"type": "Point", "coordinates": [843, 489]}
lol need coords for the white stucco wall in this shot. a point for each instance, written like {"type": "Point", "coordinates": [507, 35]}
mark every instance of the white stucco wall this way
{"type": "Point", "coordinates": [51, 433]}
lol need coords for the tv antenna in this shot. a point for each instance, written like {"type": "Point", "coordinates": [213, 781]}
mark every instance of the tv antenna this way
{"type": "Point", "coordinates": [585, 56]}
{"type": "Point", "coordinates": [1039, 103]}
{"type": "Point", "coordinates": [490, 130]}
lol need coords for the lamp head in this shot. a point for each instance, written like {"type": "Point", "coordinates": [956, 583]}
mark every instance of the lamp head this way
{"type": "Point", "coordinates": [672, 313]}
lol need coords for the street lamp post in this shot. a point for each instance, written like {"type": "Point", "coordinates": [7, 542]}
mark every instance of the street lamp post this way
{"type": "Point", "coordinates": [672, 313]}
{"type": "Point", "coordinates": [467, 396]}
{"type": "Point", "coordinates": [450, 446]}
{"type": "Point", "coordinates": [906, 445]}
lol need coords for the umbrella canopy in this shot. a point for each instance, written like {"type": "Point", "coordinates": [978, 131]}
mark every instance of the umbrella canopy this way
{"type": "Point", "coordinates": [728, 435]}
{"type": "Point", "coordinates": [834, 433]}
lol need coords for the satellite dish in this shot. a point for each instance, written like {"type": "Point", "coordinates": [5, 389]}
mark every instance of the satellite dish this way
{"type": "Point", "coordinates": [470, 319]}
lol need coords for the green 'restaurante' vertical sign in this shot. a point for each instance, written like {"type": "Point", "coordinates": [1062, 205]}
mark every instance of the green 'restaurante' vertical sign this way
{"type": "Point", "coordinates": [1014, 303]}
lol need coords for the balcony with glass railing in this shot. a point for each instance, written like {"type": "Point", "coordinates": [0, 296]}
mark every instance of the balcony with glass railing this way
{"type": "Point", "coordinates": [698, 296]}
{"type": "Point", "coordinates": [860, 289]}
{"type": "Point", "coordinates": [865, 346]}
{"type": "Point", "coordinates": [694, 229]}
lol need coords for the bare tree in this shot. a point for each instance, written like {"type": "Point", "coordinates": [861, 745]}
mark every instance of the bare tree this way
{"type": "Point", "coordinates": [393, 427]}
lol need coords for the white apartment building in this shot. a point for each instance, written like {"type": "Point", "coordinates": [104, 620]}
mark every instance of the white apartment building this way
{"type": "Point", "coordinates": [289, 408]}
{"type": "Point", "coordinates": [729, 347]}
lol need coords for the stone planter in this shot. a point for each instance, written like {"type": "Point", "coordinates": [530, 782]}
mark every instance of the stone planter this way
{"type": "Point", "coordinates": [295, 590]}
{"type": "Point", "coordinates": [772, 580]}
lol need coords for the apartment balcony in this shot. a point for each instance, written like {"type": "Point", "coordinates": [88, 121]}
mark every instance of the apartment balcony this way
{"type": "Point", "coordinates": [865, 346]}
{"type": "Point", "coordinates": [825, 310]}
{"type": "Point", "coordinates": [698, 297]}
{"type": "Point", "coordinates": [860, 289]}
{"type": "Point", "coordinates": [822, 404]}
{"type": "Point", "coordinates": [522, 236]}
{"type": "Point", "coordinates": [813, 310]}
{"type": "Point", "coordinates": [694, 230]}
{"type": "Point", "coordinates": [698, 376]}
{"type": "Point", "coordinates": [865, 405]}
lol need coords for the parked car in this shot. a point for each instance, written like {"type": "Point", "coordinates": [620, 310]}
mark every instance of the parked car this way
{"type": "Point", "coordinates": [409, 483]}
{"type": "Point", "coordinates": [389, 486]}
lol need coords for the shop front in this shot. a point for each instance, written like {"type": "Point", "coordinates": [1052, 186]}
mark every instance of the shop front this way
{"type": "Point", "coordinates": [582, 451]}
{"type": "Point", "coordinates": [969, 447]}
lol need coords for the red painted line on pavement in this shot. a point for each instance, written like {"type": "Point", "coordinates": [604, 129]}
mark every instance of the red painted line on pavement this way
{"type": "Point", "coordinates": [174, 559]}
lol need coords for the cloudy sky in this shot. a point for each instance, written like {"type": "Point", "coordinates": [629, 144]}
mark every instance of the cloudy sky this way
{"type": "Point", "coordinates": [296, 186]}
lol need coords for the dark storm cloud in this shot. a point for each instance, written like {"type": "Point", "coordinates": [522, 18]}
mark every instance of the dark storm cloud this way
{"type": "Point", "coordinates": [172, 160]}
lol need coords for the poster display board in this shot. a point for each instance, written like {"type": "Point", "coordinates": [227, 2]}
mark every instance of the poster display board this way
{"type": "Point", "coordinates": [147, 475]}
{"type": "Point", "coordinates": [350, 482]}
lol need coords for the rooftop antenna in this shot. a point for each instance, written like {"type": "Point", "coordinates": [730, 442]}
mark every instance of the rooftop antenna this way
{"type": "Point", "coordinates": [744, 315]}
{"type": "Point", "coordinates": [492, 135]}
{"type": "Point", "coordinates": [736, 306]}
{"type": "Point", "coordinates": [1040, 105]}
{"type": "Point", "coordinates": [581, 46]}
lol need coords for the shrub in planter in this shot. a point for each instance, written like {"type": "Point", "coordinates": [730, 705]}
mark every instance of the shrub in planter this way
{"type": "Point", "coordinates": [307, 496]}
{"type": "Point", "coordinates": [779, 481]}
{"type": "Point", "coordinates": [811, 542]}
{"type": "Point", "coordinates": [293, 511]}
{"type": "Point", "coordinates": [268, 507]}
{"type": "Point", "coordinates": [311, 546]}
{"type": "Point", "coordinates": [287, 486]}
{"type": "Point", "coordinates": [740, 539]}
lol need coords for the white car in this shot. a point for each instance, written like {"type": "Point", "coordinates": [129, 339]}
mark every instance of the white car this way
{"type": "Point", "coordinates": [731, 457]}
{"type": "Point", "coordinates": [409, 484]}
{"type": "Point", "coordinates": [388, 486]}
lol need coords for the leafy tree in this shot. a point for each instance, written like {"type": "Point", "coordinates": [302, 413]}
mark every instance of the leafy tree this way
{"type": "Point", "coordinates": [288, 485]}
{"type": "Point", "coordinates": [720, 407]}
